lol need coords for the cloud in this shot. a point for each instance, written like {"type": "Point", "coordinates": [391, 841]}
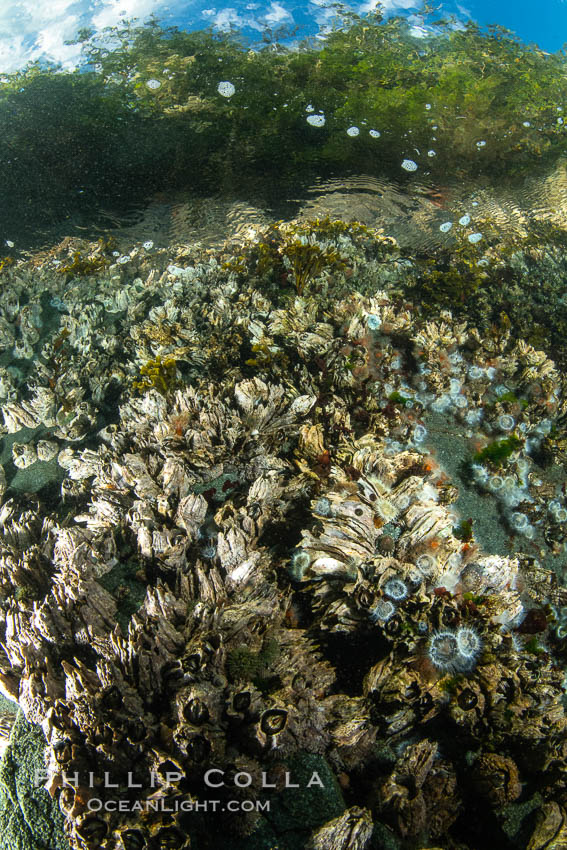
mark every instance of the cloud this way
{"type": "Point", "coordinates": [276, 14]}
{"type": "Point", "coordinates": [113, 11]}
{"type": "Point", "coordinates": [389, 5]}
{"type": "Point", "coordinates": [50, 42]}
{"type": "Point", "coordinates": [37, 29]}
{"type": "Point", "coordinates": [226, 19]}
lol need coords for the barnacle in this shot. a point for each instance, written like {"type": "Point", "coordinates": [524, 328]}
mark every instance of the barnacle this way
{"type": "Point", "coordinates": [249, 570]}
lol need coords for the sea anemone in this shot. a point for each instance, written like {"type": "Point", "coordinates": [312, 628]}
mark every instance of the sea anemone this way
{"type": "Point", "coordinates": [443, 652]}
{"type": "Point", "coordinates": [454, 651]}
{"type": "Point", "coordinates": [322, 507]}
{"type": "Point", "coordinates": [383, 611]}
{"type": "Point", "coordinates": [469, 644]}
{"type": "Point", "coordinates": [506, 422]}
{"type": "Point", "coordinates": [426, 564]}
{"type": "Point", "coordinates": [396, 589]}
{"type": "Point", "coordinates": [299, 562]}
{"type": "Point", "coordinates": [208, 551]}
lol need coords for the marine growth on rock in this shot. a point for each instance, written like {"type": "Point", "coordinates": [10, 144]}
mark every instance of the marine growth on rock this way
{"type": "Point", "coordinates": [241, 566]}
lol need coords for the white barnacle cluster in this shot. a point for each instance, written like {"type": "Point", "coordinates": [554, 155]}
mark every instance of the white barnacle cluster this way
{"type": "Point", "coordinates": [192, 484]}
{"type": "Point", "coordinates": [388, 528]}
{"type": "Point", "coordinates": [189, 485]}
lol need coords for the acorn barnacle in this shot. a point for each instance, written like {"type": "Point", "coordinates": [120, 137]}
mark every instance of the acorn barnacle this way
{"type": "Point", "coordinates": [241, 701]}
{"type": "Point", "coordinates": [92, 830]}
{"type": "Point", "coordinates": [195, 711]}
{"type": "Point", "coordinates": [273, 721]}
{"type": "Point", "coordinates": [133, 839]}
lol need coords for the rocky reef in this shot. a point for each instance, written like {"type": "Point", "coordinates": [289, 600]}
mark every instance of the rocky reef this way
{"type": "Point", "coordinates": [246, 569]}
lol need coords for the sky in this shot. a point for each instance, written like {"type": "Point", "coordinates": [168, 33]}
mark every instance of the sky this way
{"type": "Point", "coordinates": [37, 29]}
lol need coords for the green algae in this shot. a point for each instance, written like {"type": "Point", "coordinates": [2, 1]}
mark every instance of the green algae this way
{"type": "Point", "coordinates": [127, 589]}
{"type": "Point", "coordinates": [29, 818]}
{"type": "Point", "coordinates": [398, 398]}
{"type": "Point", "coordinates": [243, 664]}
{"type": "Point", "coordinates": [499, 451]}
{"type": "Point", "coordinates": [451, 684]}
{"type": "Point", "coordinates": [533, 645]}
{"type": "Point", "coordinates": [109, 136]}
{"type": "Point", "coordinates": [295, 813]}
{"type": "Point", "coordinates": [451, 449]}
{"type": "Point", "coordinates": [464, 530]}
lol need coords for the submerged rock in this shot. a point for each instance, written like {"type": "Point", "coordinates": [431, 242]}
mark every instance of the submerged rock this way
{"type": "Point", "coordinates": [256, 562]}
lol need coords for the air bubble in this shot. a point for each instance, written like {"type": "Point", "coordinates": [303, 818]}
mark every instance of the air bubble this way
{"type": "Point", "coordinates": [226, 88]}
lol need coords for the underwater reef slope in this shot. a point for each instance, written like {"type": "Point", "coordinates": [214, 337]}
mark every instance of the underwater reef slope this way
{"type": "Point", "coordinates": [234, 561]}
